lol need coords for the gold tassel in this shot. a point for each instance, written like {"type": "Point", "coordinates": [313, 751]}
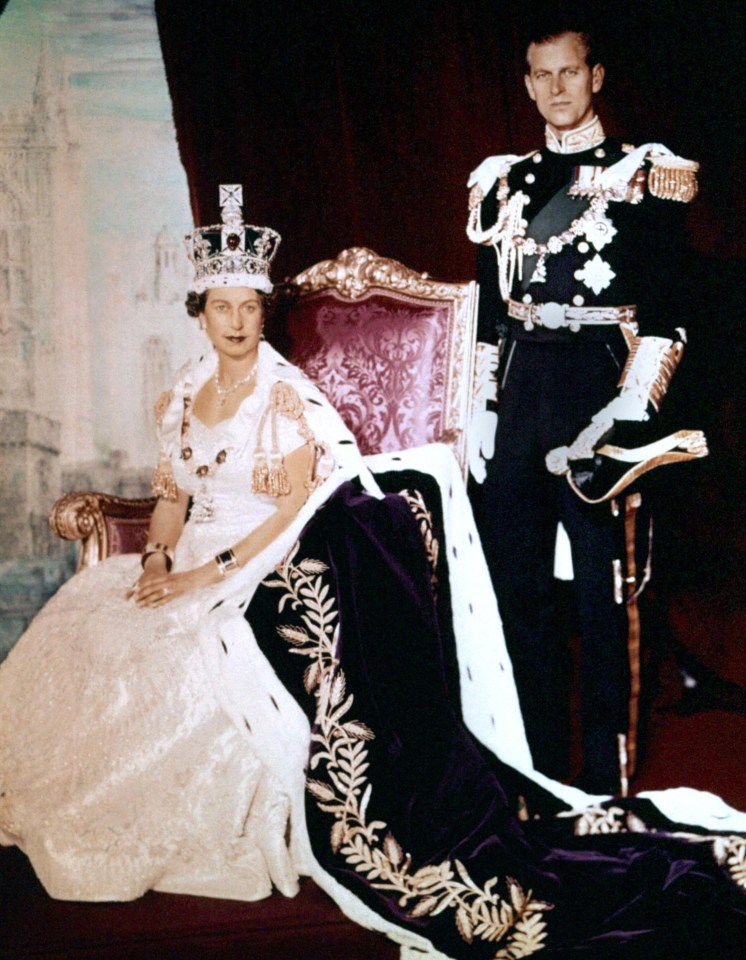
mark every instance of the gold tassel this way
{"type": "Point", "coordinates": [278, 481]}
{"type": "Point", "coordinates": [163, 483]}
{"type": "Point", "coordinates": [673, 178]}
{"type": "Point", "coordinates": [260, 473]}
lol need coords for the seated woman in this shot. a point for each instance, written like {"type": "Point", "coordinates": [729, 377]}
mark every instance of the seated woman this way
{"type": "Point", "coordinates": [301, 658]}
{"type": "Point", "coordinates": [119, 770]}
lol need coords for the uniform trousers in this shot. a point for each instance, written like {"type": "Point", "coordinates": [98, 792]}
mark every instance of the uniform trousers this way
{"type": "Point", "coordinates": [549, 392]}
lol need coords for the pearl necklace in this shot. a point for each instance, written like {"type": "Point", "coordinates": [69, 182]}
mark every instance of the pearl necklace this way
{"type": "Point", "coordinates": [225, 392]}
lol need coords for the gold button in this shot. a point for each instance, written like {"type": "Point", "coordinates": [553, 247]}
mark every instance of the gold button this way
{"type": "Point", "coordinates": [600, 152]}
{"type": "Point", "coordinates": [578, 300]}
{"type": "Point", "coordinates": [527, 298]}
{"type": "Point", "coordinates": [537, 158]}
{"type": "Point", "coordinates": [530, 178]}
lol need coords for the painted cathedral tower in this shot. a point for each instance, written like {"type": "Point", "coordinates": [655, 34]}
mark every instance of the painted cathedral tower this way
{"type": "Point", "coordinates": [45, 390]}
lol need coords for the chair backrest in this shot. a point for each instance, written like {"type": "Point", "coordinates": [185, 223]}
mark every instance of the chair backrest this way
{"type": "Point", "coordinates": [392, 349]}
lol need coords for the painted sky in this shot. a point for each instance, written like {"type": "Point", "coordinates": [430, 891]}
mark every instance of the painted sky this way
{"type": "Point", "coordinates": [110, 52]}
{"type": "Point", "coordinates": [106, 53]}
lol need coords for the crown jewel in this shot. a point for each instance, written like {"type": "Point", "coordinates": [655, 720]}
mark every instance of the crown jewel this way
{"type": "Point", "coordinates": [232, 253]}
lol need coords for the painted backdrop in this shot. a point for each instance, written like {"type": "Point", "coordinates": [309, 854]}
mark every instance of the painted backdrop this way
{"type": "Point", "coordinates": [93, 208]}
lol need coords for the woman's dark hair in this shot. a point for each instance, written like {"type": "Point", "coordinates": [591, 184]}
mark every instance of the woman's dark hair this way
{"type": "Point", "coordinates": [195, 303]}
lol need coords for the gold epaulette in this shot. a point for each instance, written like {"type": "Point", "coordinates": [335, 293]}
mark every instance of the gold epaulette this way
{"type": "Point", "coordinates": [673, 178]}
{"type": "Point", "coordinates": [270, 474]}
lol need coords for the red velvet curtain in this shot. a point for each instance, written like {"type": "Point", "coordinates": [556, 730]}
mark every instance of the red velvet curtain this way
{"type": "Point", "coordinates": [353, 122]}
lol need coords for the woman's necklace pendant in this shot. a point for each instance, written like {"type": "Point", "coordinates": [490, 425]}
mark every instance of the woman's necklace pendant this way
{"type": "Point", "coordinates": [203, 507]}
{"type": "Point", "coordinates": [224, 392]}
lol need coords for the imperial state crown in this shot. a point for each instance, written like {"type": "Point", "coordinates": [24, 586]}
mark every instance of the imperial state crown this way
{"type": "Point", "coordinates": [232, 253]}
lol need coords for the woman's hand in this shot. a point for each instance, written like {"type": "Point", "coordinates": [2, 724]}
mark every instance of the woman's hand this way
{"type": "Point", "coordinates": [156, 586]}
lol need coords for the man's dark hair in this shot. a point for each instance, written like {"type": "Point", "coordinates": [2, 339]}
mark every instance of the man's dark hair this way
{"type": "Point", "coordinates": [550, 33]}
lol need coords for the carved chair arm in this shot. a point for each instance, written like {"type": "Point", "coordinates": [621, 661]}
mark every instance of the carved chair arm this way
{"type": "Point", "coordinates": [104, 524]}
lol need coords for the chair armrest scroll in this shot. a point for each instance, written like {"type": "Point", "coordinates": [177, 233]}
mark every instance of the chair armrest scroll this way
{"type": "Point", "coordinates": [104, 524]}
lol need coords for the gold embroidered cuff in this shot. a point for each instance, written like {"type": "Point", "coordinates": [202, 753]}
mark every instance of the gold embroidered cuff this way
{"type": "Point", "coordinates": [669, 361]}
{"type": "Point", "coordinates": [650, 365]}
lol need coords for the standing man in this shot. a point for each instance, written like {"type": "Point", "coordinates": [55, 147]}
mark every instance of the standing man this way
{"type": "Point", "coordinates": [580, 256]}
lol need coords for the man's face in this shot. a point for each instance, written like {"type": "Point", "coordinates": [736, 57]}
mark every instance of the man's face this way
{"type": "Point", "coordinates": [561, 83]}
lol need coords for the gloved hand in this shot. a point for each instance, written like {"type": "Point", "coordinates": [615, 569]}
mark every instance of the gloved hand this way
{"type": "Point", "coordinates": [643, 384]}
{"type": "Point", "coordinates": [480, 438]}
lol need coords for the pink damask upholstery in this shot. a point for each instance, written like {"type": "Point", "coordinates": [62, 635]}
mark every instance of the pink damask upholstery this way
{"type": "Point", "coordinates": [369, 357]}
{"type": "Point", "coordinates": [392, 349]}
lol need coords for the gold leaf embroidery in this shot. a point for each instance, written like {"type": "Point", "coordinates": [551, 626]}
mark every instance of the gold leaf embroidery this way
{"type": "Point", "coordinates": [320, 790]}
{"type": "Point", "coordinates": [736, 860]}
{"type": "Point", "coordinates": [596, 820]}
{"type": "Point", "coordinates": [367, 845]}
{"type": "Point", "coordinates": [337, 835]}
{"type": "Point", "coordinates": [424, 907]}
{"type": "Point", "coordinates": [425, 519]}
{"type": "Point", "coordinates": [295, 635]}
{"type": "Point", "coordinates": [728, 851]}
{"type": "Point", "coordinates": [392, 850]}
{"type": "Point", "coordinates": [464, 925]}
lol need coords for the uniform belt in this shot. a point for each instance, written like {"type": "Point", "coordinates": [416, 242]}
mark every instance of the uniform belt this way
{"type": "Point", "coordinates": [556, 316]}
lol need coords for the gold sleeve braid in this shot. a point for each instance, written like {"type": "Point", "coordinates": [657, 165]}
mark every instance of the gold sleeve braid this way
{"type": "Point", "coordinates": [669, 362]}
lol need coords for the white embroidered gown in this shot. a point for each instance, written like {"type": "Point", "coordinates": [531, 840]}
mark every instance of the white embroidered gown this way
{"type": "Point", "coordinates": [119, 770]}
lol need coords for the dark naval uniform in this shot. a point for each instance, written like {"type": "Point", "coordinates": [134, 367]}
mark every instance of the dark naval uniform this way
{"type": "Point", "coordinates": [566, 261]}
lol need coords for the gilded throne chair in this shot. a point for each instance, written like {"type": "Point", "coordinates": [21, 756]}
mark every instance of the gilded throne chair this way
{"type": "Point", "coordinates": [394, 350]}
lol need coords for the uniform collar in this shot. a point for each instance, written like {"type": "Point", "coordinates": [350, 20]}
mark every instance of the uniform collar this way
{"type": "Point", "coordinates": [574, 141]}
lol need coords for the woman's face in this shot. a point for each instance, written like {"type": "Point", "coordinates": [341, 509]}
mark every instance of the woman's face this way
{"type": "Point", "coordinates": [233, 319]}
